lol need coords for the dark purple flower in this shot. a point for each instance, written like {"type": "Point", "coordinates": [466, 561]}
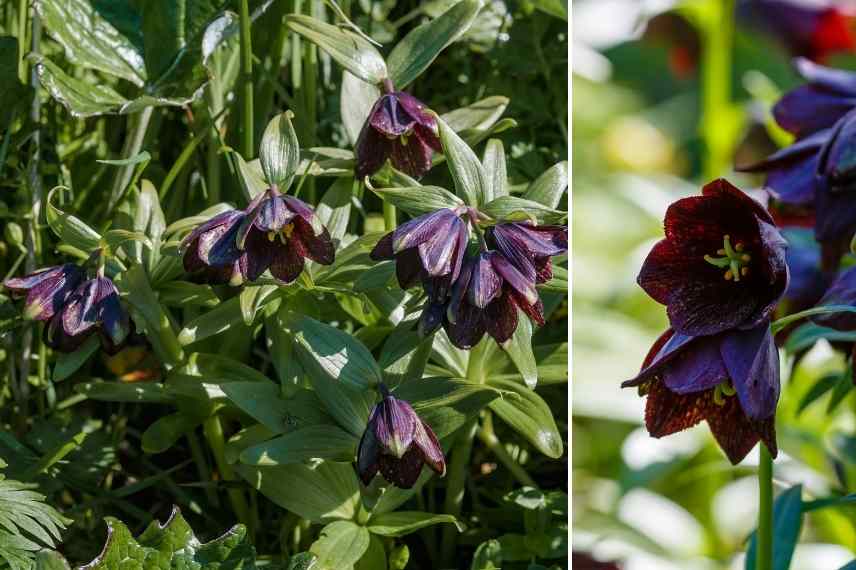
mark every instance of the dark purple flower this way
{"type": "Point", "coordinates": [730, 379]}
{"type": "Point", "coordinates": [841, 292]}
{"type": "Point", "coordinates": [397, 443]}
{"type": "Point", "coordinates": [485, 299]}
{"type": "Point", "coordinates": [811, 29]}
{"type": "Point", "coordinates": [807, 282]}
{"type": "Point", "coordinates": [721, 265]}
{"type": "Point", "coordinates": [46, 290]}
{"type": "Point", "coordinates": [529, 247]}
{"type": "Point", "coordinates": [399, 128]}
{"type": "Point", "coordinates": [275, 232]}
{"type": "Point", "coordinates": [94, 307]}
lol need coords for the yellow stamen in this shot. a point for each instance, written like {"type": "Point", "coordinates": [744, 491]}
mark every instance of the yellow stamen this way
{"type": "Point", "coordinates": [729, 275]}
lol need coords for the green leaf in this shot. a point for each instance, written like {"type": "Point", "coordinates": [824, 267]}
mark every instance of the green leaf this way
{"type": "Point", "coordinates": [402, 523]}
{"type": "Point", "coordinates": [27, 523]}
{"type": "Point", "coordinates": [415, 52]}
{"type": "Point", "coordinates": [519, 349]}
{"type": "Point", "coordinates": [80, 98]}
{"type": "Point", "coordinates": [478, 116]}
{"type": "Point", "coordinates": [355, 103]}
{"type": "Point", "coordinates": [279, 152]}
{"type": "Point", "coordinates": [157, 324]}
{"type": "Point", "coordinates": [378, 277]}
{"type": "Point", "coordinates": [14, 94]}
{"type": "Point", "coordinates": [405, 354]}
{"type": "Point", "coordinates": [173, 545]}
{"type": "Point", "coordinates": [825, 384]}
{"type": "Point", "coordinates": [251, 176]}
{"type": "Point", "coordinates": [787, 523]}
{"type": "Point", "coordinates": [341, 545]}
{"type": "Point", "coordinates": [488, 556]}
{"type": "Point", "coordinates": [558, 283]}
{"type": "Point", "coordinates": [548, 188]}
{"type": "Point", "coordinates": [514, 209]}
{"type": "Point", "coordinates": [418, 200]}
{"type": "Point", "coordinates": [303, 561]}
{"type": "Point", "coordinates": [92, 40]}
{"type": "Point", "coordinates": [529, 415]}
{"type": "Point", "coordinates": [320, 493]}
{"type": "Point", "coordinates": [253, 298]}
{"type": "Point", "coordinates": [137, 392]}
{"type": "Point", "coordinates": [187, 294]}
{"type": "Point", "coordinates": [70, 229]}
{"type": "Point", "coordinates": [265, 403]}
{"type": "Point", "coordinates": [446, 403]}
{"type": "Point", "coordinates": [220, 319]}
{"type": "Point", "coordinates": [70, 362]}
{"type": "Point", "coordinates": [320, 441]}
{"type": "Point", "coordinates": [374, 557]}
{"type": "Point", "coordinates": [51, 560]}
{"type": "Point", "coordinates": [493, 161]}
{"type": "Point", "coordinates": [471, 182]}
{"type": "Point", "coordinates": [555, 8]}
{"type": "Point", "coordinates": [334, 210]}
{"type": "Point", "coordinates": [166, 430]}
{"type": "Point", "coordinates": [347, 48]}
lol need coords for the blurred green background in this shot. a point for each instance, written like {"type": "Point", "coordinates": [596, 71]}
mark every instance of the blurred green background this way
{"type": "Point", "coordinates": [638, 144]}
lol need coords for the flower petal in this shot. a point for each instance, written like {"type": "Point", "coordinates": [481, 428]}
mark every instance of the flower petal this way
{"type": "Point", "coordinates": [260, 253]}
{"type": "Point", "coordinates": [287, 264]}
{"type": "Point", "coordinates": [809, 108]}
{"type": "Point", "coordinates": [524, 286]}
{"type": "Point", "coordinates": [841, 292]}
{"type": "Point", "coordinates": [432, 453]}
{"type": "Point", "coordinates": [468, 328]}
{"type": "Point", "coordinates": [752, 361]}
{"type": "Point", "coordinates": [736, 434]}
{"type": "Point", "coordinates": [485, 284]}
{"type": "Point", "coordinates": [371, 151]}
{"type": "Point", "coordinates": [501, 318]}
{"type": "Point", "coordinates": [412, 157]}
{"type": "Point", "coordinates": [368, 452]}
{"type": "Point", "coordinates": [439, 251]}
{"type": "Point", "coordinates": [404, 472]}
{"type": "Point", "coordinates": [272, 214]}
{"type": "Point", "coordinates": [395, 426]}
{"type": "Point", "coordinates": [421, 229]}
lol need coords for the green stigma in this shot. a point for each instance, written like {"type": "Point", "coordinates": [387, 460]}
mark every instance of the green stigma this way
{"type": "Point", "coordinates": [722, 391]}
{"type": "Point", "coordinates": [734, 260]}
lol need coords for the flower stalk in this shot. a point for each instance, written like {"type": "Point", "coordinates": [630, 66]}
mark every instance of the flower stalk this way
{"type": "Point", "coordinates": [764, 553]}
{"type": "Point", "coordinates": [247, 144]}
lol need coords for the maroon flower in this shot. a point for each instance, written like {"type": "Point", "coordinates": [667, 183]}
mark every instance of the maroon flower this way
{"type": "Point", "coordinates": [529, 247]}
{"type": "Point", "coordinates": [397, 443]}
{"type": "Point", "coordinates": [730, 379]}
{"type": "Point", "coordinates": [399, 128]}
{"type": "Point", "coordinates": [46, 290]}
{"type": "Point", "coordinates": [275, 232]}
{"type": "Point", "coordinates": [721, 265]}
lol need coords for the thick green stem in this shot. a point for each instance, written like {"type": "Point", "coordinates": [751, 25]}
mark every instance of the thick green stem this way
{"type": "Point", "coordinates": [764, 553]}
{"type": "Point", "coordinates": [389, 218]}
{"type": "Point", "coordinates": [488, 437]}
{"type": "Point", "coordinates": [214, 434]}
{"type": "Point", "coordinates": [717, 123]}
{"type": "Point", "coordinates": [247, 143]}
{"type": "Point", "coordinates": [138, 124]}
{"type": "Point", "coordinates": [459, 467]}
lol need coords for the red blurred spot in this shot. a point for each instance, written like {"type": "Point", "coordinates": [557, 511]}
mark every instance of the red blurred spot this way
{"type": "Point", "coordinates": [834, 33]}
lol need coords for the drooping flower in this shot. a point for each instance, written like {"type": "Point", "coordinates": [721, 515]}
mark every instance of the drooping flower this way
{"type": "Point", "coordinates": [730, 379]}
{"type": "Point", "coordinates": [398, 128]}
{"type": "Point", "coordinates": [275, 232]}
{"type": "Point", "coordinates": [94, 307]}
{"type": "Point", "coordinates": [46, 290]}
{"type": "Point", "coordinates": [485, 299]}
{"type": "Point", "coordinates": [810, 29]}
{"type": "Point", "coordinates": [529, 247]}
{"type": "Point", "coordinates": [397, 443]}
{"type": "Point", "coordinates": [428, 249]}
{"type": "Point", "coordinates": [721, 265]}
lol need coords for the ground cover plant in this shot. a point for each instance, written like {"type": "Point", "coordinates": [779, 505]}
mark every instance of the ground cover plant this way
{"type": "Point", "coordinates": [284, 284]}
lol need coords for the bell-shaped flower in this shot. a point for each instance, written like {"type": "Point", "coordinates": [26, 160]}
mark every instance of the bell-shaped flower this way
{"type": "Point", "coordinates": [730, 379]}
{"type": "Point", "coordinates": [529, 247]}
{"type": "Point", "coordinates": [721, 265]}
{"type": "Point", "coordinates": [397, 443]}
{"type": "Point", "coordinates": [94, 307]}
{"type": "Point", "coordinates": [211, 250]}
{"type": "Point", "coordinates": [398, 128]}
{"type": "Point", "coordinates": [46, 290]}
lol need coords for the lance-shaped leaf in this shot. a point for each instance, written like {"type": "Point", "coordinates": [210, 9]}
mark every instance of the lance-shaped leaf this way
{"type": "Point", "coordinates": [334, 210]}
{"type": "Point", "coordinates": [471, 182]}
{"type": "Point", "coordinates": [493, 161]}
{"type": "Point", "coordinates": [341, 545]}
{"type": "Point", "coordinates": [418, 200]}
{"type": "Point", "coordinates": [70, 229]}
{"type": "Point", "coordinates": [355, 103]}
{"type": "Point", "coordinates": [279, 152]}
{"type": "Point", "coordinates": [420, 47]}
{"type": "Point", "coordinates": [529, 415]}
{"type": "Point", "coordinates": [348, 49]}
{"type": "Point", "coordinates": [252, 177]}
{"type": "Point", "coordinates": [548, 188]}
{"type": "Point", "coordinates": [446, 403]}
{"type": "Point", "coordinates": [404, 522]}
{"type": "Point", "coordinates": [319, 441]}
{"type": "Point", "coordinates": [514, 209]}
{"type": "Point", "coordinates": [519, 349]}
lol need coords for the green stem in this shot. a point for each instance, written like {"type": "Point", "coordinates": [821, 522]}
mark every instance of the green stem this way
{"type": "Point", "coordinates": [389, 218]}
{"type": "Point", "coordinates": [488, 437]}
{"type": "Point", "coordinates": [764, 553]}
{"type": "Point", "coordinates": [459, 467]}
{"type": "Point", "coordinates": [214, 434]}
{"type": "Point", "coordinates": [137, 126]}
{"type": "Point", "coordinates": [779, 324]}
{"type": "Point", "coordinates": [247, 143]}
{"type": "Point", "coordinates": [717, 131]}
{"type": "Point", "coordinates": [23, 8]}
{"type": "Point", "coordinates": [202, 467]}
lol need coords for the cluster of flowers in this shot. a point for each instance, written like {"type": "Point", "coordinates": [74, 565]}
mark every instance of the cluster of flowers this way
{"type": "Point", "coordinates": [720, 270]}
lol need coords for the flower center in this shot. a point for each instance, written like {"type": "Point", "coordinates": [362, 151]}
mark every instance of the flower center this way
{"type": "Point", "coordinates": [734, 259]}
{"type": "Point", "coordinates": [284, 234]}
{"type": "Point", "coordinates": [722, 391]}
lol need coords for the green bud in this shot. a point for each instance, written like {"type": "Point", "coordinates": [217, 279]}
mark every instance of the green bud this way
{"type": "Point", "coordinates": [399, 557]}
{"type": "Point", "coordinates": [14, 235]}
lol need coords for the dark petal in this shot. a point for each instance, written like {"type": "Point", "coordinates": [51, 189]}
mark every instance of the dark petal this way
{"type": "Point", "coordinates": [287, 263]}
{"type": "Point", "coordinates": [734, 199]}
{"type": "Point", "coordinates": [463, 240]}
{"type": "Point", "coordinates": [383, 249]}
{"type": "Point", "coordinates": [662, 269]}
{"type": "Point", "coordinates": [81, 313]}
{"type": "Point", "coordinates": [404, 472]}
{"type": "Point", "coordinates": [318, 248]}
{"type": "Point", "coordinates": [535, 311]}
{"type": "Point", "coordinates": [408, 267]}
{"type": "Point", "coordinates": [439, 251]}
{"type": "Point", "coordinates": [501, 318]}
{"type": "Point", "coordinates": [305, 212]}
{"type": "Point", "coordinates": [421, 229]}
{"type": "Point", "coordinates": [523, 285]}
{"type": "Point", "coordinates": [20, 285]}
{"type": "Point", "coordinates": [191, 261]}
{"type": "Point", "coordinates": [511, 247]}
{"type": "Point", "coordinates": [838, 159]}
{"type": "Point", "coordinates": [460, 288]}
{"type": "Point", "coordinates": [428, 137]}
{"type": "Point", "coordinates": [416, 109]}
{"type": "Point", "coordinates": [272, 215]}
{"type": "Point", "coordinates": [792, 171]}
{"type": "Point", "coordinates": [667, 347]}
{"type": "Point", "coordinates": [774, 249]}
{"type": "Point", "coordinates": [736, 434]}
{"type": "Point", "coordinates": [218, 246]}
{"type": "Point", "coordinates": [539, 241]}
{"type": "Point", "coordinates": [752, 361]}
{"type": "Point", "coordinates": [115, 323]}
{"type": "Point", "coordinates": [368, 453]}
{"type": "Point", "coordinates": [668, 412]}
{"type": "Point", "coordinates": [390, 118]}
{"type": "Point", "coordinates": [226, 218]}
{"type": "Point", "coordinates": [395, 426]}
{"type": "Point", "coordinates": [808, 109]}
{"type": "Point", "coordinates": [841, 292]}
{"type": "Point", "coordinates": [468, 328]}
{"type": "Point", "coordinates": [55, 337]}
{"type": "Point", "coordinates": [485, 283]}
{"type": "Point", "coordinates": [835, 215]}
{"type": "Point", "coordinates": [543, 269]}
{"type": "Point", "coordinates": [706, 307]}
{"type": "Point", "coordinates": [412, 157]}
{"type": "Point", "coordinates": [432, 453]}
{"type": "Point", "coordinates": [260, 253]}
{"type": "Point", "coordinates": [431, 318]}
{"type": "Point", "coordinates": [49, 293]}
{"type": "Point", "coordinates": [697, 368]}
{"type": "Point", "coordinates": [834, 80]}
{"type": "Point", "coordinates": [372, 150]}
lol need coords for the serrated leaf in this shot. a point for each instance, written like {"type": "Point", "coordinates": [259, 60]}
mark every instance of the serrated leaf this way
{"type": "Point", "coordinates": [279, 152]}
{"type": "Point", "coordinates": [415, 52]}
{"type": "Point", "coordinates": [347, 48]}
{"type": "Point", "coordinates": [529, 415]}
{"type": "Point", "coordinates": [402, 523]}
